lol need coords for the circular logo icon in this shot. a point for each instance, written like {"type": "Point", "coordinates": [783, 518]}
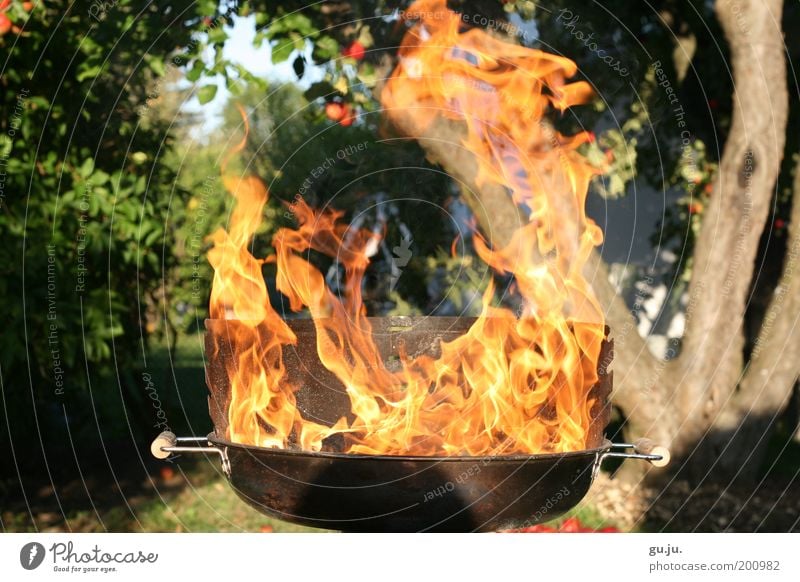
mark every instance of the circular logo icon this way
{"type": "Point", "coordinates": [31, 555]}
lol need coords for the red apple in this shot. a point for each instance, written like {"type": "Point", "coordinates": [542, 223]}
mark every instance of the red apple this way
{"type": "Point", "coordinates": [27, 6]}
{"type": "Point", "coordinates": [335, 110]}
{"type": "Point", "coordinates": [5, 24]}
{"type": "Point", "coordinates": [4, 4]}
{"type": "Point", "coordinates": [348, 118]}
{"type": "Point", "coordinates": [779, 223]}
{"type": "Point", "coordinates": [355, 50]}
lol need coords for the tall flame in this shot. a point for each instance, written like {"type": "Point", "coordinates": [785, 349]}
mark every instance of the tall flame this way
{"type": "Point", "coordinates": [514, 383]}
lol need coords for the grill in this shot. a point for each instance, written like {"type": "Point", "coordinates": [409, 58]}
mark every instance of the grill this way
{"type": "Point", "coordinates": [352, 492]}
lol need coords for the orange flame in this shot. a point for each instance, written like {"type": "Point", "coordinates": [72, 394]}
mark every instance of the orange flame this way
{"type": "Point", "coordinates": [514, 383]}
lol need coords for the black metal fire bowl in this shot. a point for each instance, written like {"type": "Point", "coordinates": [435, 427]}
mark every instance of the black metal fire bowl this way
{"type": "Point", "coordinates": [394, 493]}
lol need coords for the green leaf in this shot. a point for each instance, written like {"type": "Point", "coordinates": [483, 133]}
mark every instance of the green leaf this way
{"type": "Point", "coordinates": [157, 66]}
{"type": "Point", "coordinates": [319, 89]}
{"type": "Point", "coordinates": [140, 185]}
{"type": "Point", "coordinates": [88, 73]}
{"type": "Point", "coordinates": [282, 50]}
{"type": "Point", "coordinates": [206, 94]}
{"type": "Point", "coordinates": [259, 38]}
{"type": "Point", "coordinates": [193, 74]}
{"type": "Point", "coordinates": [299, 22]}
{"type": "Point", "coordinates": [366, 74]}
{"type": "Point", "coordinates": [234, 86]}
{"type": "Point", "coordinates": [326, 48]}
{"type": "Point", "coordinates": [39, 101]}
{"type": "Point", "coordinates": [5, 145]}
{"type": "Point", "coordinates": [217, 35]}
{"type": "Point", "coordinates": [298, 41]}
{"type": "Point", "coordinates": [86, 168]}
{"type": "Point", "coordinates": [99, 177]}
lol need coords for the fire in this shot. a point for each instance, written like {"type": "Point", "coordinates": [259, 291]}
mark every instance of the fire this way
{"type": "Point", "coordinates": [515, 382]}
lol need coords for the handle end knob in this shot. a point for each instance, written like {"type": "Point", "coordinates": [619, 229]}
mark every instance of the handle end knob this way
{"type": "Point", "coordinates": [648, 447]}
{"type": "Point", "coordinates": [165, 439]}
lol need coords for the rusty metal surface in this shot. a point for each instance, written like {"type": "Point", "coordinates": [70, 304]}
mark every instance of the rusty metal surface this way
{"type": "Point", "coordinates": [601, 394]}
{"type": "Point", "coordinates": [362, 493]}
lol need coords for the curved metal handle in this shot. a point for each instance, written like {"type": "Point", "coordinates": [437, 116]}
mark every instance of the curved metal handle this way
{"type": "Point", "coordinates": [644, 449]}
{"type": "Point", "coordinates": [167, 443]}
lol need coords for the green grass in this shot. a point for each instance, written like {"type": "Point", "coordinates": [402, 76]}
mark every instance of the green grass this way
{"type": "Point", "coordinates": [208, 507]}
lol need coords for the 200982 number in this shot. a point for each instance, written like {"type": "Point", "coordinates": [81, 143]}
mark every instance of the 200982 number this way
{"type": "Point", "coordinates": [758, 565]}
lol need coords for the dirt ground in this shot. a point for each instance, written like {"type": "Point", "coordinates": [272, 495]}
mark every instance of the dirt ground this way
{"type": "Point", "coordinates": [679, 507]}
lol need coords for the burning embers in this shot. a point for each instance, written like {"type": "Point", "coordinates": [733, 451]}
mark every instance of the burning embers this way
{"type": "Point", "coordinates": [513, 383]}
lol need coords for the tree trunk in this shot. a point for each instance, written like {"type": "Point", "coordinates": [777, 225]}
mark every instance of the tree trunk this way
{"type": "Point", "coordinates": [713, 376]}
{"type": "Point", "coordinates": [736, 444]}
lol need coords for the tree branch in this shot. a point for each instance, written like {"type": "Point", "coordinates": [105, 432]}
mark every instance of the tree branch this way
{"type": "Point", "coordinates": [776, 353]}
